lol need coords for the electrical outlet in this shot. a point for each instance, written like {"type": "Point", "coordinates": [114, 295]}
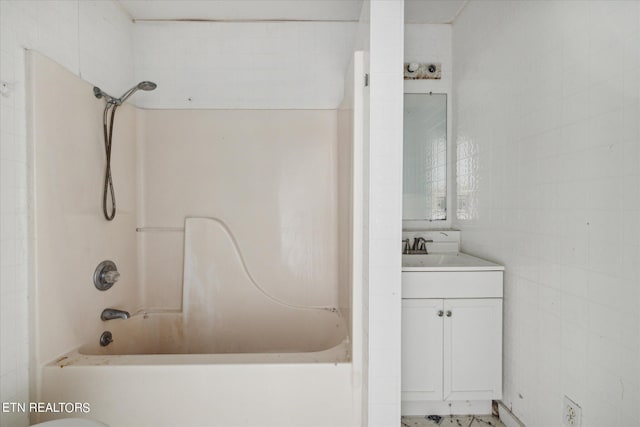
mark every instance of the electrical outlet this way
{"type": "Point", "coordinates": [571, 413]}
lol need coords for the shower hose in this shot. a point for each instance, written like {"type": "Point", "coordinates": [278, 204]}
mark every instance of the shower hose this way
{"type": "Point", "coordinates": [107, 125]}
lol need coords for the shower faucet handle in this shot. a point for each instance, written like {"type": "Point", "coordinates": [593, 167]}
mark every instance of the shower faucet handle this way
{"type": "Point", "coordinates": [105, 275]}
{"type": "Point", "coordinates": [110, 277]}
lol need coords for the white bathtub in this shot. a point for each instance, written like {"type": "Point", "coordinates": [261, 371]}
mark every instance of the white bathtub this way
{"type": "Point", "coordinates": [288, 331]}
{"type": "Point", "coordinates": [234, 356]}
{"type": "Point", "coordinates": [146, 378]}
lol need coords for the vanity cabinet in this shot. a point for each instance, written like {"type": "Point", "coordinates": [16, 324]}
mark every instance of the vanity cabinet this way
{"type": "Point", "coordinates": [422, 350]}
{"type": "Point", "coordinates": [451, 333]}
{"type": "Point", "coordinates": [451, 349]}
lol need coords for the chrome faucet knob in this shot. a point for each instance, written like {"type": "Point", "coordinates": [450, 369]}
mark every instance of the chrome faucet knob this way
{"type": "Point", "coordinates": [110, 277]}
{"type": "Point", "coordinates": [106, 338]}
{"type": "Point", "coordinates": [105, 275]}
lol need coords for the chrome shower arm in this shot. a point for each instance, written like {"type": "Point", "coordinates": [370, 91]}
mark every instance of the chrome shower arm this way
{"type": "Point", "coordinates": [127, 94]}
{"type": "Point", "coordinates": [144, 85]}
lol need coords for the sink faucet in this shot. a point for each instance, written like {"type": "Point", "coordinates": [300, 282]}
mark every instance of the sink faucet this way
{"type": "Point", "coordinates": [420, 245]}
{"type": "Point", "coordinates": [112, 313]}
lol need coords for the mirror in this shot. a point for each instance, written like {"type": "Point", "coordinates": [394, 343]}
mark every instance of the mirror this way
{"type": "Point", "coordinates": [424, 192]}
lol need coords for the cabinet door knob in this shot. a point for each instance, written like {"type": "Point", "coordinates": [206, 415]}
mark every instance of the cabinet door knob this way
{"type": "Point", "coordinates": [440, 313]}
{"type": "Point", "coordinates": [448, 313]}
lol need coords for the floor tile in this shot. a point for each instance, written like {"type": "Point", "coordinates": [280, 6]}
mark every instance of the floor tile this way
{"type": "Point", "coordinates": [486, 421]}
{"type": "Point", "coordinates": [452, 421]}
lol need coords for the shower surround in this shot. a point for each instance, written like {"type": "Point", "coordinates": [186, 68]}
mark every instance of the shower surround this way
{"type": "Point", "coordinates": [271, 176]}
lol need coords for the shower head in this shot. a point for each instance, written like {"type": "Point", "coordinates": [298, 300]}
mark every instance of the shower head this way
{"type": "Point", "coordinates": [142, 85]}
{"type": "Point", "coordinates": [145, 85]}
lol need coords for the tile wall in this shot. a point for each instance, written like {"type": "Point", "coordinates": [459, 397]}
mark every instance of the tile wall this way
{"type": "Point", "coordinates": [430, 43]}
{"type": "Point", "coordinates": [250, 65]}
{"type": "Point", "coordinates": [546, 121]}
{"type": "Point", "coordinates": [92, 39]}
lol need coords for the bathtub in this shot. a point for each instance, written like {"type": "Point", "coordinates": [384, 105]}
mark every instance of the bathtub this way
{"type": "Point", "coordinates": [149, 377]}
{"type": "Point", "coordinates": [235, 355]}
{"type": "Point", "coordinates": [289, 332]}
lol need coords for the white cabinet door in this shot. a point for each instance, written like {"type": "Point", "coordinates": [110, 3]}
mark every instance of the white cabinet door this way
{"type": "Point", "coordinates": [473, 349]}
{"type": "Point", "coordinates": [422, 349]}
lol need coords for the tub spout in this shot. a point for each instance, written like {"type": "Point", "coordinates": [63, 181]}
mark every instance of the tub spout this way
{"type": "Point", "coordinates": [112, 313]}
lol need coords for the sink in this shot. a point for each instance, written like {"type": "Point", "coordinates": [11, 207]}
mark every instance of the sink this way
{"type": "Point", "coordinates": [450, 275]}
{"type": "Point", "coordinates": [456, 261]}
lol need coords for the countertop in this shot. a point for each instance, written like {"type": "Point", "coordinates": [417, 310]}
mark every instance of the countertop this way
{"type": "Point", "coordinates": [447, 262]}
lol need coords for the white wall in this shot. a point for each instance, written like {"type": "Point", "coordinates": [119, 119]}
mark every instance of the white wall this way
{"type": "Point", "coordinates": [92, 39]}
{"type": "Point", "coordinates": [430, 43]}
{"type": "Point", "coordinates": [546, 120]}
{"type": "Point", "coordinates": [251, 65]}
{"type": "Point", "coordinates": [362, 43]}
{"type": "Point", "coordinates": [384, 206]}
